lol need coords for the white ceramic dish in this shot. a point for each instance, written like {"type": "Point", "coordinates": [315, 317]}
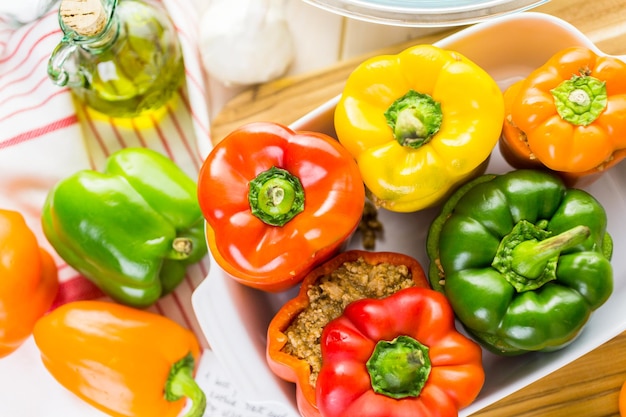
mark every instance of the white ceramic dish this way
{"type": "Point", "coordinates": [424, 13]}
{"type": "Point", "coordinates": [234, 318]}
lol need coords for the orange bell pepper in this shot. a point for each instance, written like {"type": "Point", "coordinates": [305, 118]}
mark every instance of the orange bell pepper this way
{"type": "Point", "coordinates": [294, 369]}
{"type": "Point", "coordinates": [28, 281]}
{"type": "Point", "coordinates": [123, 361]}
{"type": "Point", "coordinates": [277, 203]}
{"type": "Point", "coordinates": [569, 116]}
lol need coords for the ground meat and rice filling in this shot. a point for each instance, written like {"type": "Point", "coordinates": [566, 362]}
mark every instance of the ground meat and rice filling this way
{"type": "Point", "coordinates": [330, 296]}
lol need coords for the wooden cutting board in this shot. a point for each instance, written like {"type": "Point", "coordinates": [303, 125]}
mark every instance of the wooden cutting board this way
{"type": "Point", "coordinates": [587, 387]}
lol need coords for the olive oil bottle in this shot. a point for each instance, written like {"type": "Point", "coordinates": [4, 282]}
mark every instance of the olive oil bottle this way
{"type": "Point", "coordinates": [121, 57]}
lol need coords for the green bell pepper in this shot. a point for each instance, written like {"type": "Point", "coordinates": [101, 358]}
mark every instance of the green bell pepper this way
{"type": "Point", "coordinates": [132, 229]}
{"type": "Point", "coordinates": [523, 260]}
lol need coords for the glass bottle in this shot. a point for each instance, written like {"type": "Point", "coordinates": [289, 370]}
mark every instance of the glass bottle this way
{"type": "Point", "coordinates": [122, 58]}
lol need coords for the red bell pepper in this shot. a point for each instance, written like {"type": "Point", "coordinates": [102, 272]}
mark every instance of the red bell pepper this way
{"type": "Point", "coordinates": [396, 357]}
{"type": "Point", "coordinates": [293, 368]}
{"type": "Point", "coordinates": [278, 203]}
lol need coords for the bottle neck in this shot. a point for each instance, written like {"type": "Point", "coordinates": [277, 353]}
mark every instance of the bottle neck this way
{"type": "Point", "coordinates": [95, 34]}
{"type": "Point", "coordinates": [104, 39]}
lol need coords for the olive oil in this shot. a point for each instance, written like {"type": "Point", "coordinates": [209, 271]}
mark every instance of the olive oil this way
{"type": "Point", "coordinates": [122, 58]}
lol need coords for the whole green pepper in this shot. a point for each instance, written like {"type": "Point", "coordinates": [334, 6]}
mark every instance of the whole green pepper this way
{"type": "Point", "coordinates": [522, 259]}
{"type": "Point", "coordinates": [132, 229]}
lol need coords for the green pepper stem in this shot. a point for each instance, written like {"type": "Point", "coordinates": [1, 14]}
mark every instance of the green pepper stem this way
{"type": "Point", "coordinates": [180, 383]}
{"type": "Point", "coordinates": [414, 119]}
{"type": "Point", "coordinates": [529, 258]}
{"type": "Point", "coordinates": [182, 247]}
{"type": "Point", "coordinates": [276, 196]}
{"type": "Point", "coordinates": [399, 368]}
{"type": "Point", "coordinates": [581, 99]}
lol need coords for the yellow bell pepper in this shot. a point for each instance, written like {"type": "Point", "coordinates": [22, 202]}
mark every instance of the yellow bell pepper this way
{"type": "Point", "coordinates": [419, 123]}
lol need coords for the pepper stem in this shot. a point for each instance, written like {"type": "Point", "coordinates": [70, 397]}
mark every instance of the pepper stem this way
{"type": "Point", "coordinates": [181, 248]}
{"type": "Point", "coordinates": [180, 384]}
{"type": "Point", "coordinates": [276, 196]}
{"type": "Point", "coordinates": [399, 368]}
{"type": "Point", "coordinates": [530, 257]}
{"type": "Point", "coordinates": [527, 257]}
{"type": "Point", "coordinates": [414, 119]}
{"type": "Point", "coordinates": [581, 99]}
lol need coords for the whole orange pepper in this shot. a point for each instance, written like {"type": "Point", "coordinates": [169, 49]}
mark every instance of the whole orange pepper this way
{"type": "Point", "coordinates": [569, 116]}
{"type": "Point", "coordinates": [123, 361]}
{"type": "Point", "coordinates": [277, 203]}
{"type": "Point", "coordinates": [28, 281]}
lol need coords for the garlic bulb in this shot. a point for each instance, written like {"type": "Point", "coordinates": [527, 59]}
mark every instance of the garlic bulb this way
{"type": "Point", "coordinates": [245, 42]}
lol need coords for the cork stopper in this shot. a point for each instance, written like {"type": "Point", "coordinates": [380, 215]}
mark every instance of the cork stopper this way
{"type": "Point", "coordinates": [85, 17]}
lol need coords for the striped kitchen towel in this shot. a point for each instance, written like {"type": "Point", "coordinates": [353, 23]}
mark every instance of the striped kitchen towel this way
{"type": "Point", "coordinates": [46, 136]}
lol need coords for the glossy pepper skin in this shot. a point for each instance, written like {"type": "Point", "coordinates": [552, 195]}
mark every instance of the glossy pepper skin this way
{"type": "Point", "coordinates": [419, 123]}
{"type": "Point", "coordinates": [124, 361]}
{"type": "Point", "coordinates": [278, 203]}
{"type": "Point", "coordinates": [398, 356]}
{"type": "Point", "coordinates": [28, 281]}
{"type": "Point", "coordinates": [568, 116]}
{"type": "Point", "coordinates": [290, 367]}
{"type": "Point", "coordinates": [132, 229]}
{"type": "Point", "coordinates": [523, 259]}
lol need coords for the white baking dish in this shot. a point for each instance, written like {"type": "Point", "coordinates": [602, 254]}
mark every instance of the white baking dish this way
{"type": "Point", "coordinates": [234, 318]}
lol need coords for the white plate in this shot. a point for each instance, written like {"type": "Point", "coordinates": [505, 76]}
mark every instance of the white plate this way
{"type": "Point", "coordinates": [235, 318]}
{"type": "Point", "coordinates": [424, 13]}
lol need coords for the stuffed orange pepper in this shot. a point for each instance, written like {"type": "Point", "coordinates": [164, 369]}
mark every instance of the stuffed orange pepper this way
{"type": "Point", "coordinates": [293, 335]}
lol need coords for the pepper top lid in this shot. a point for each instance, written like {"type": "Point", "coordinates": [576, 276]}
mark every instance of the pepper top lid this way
{"type": "Point", "coordinates": [85, 17]}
